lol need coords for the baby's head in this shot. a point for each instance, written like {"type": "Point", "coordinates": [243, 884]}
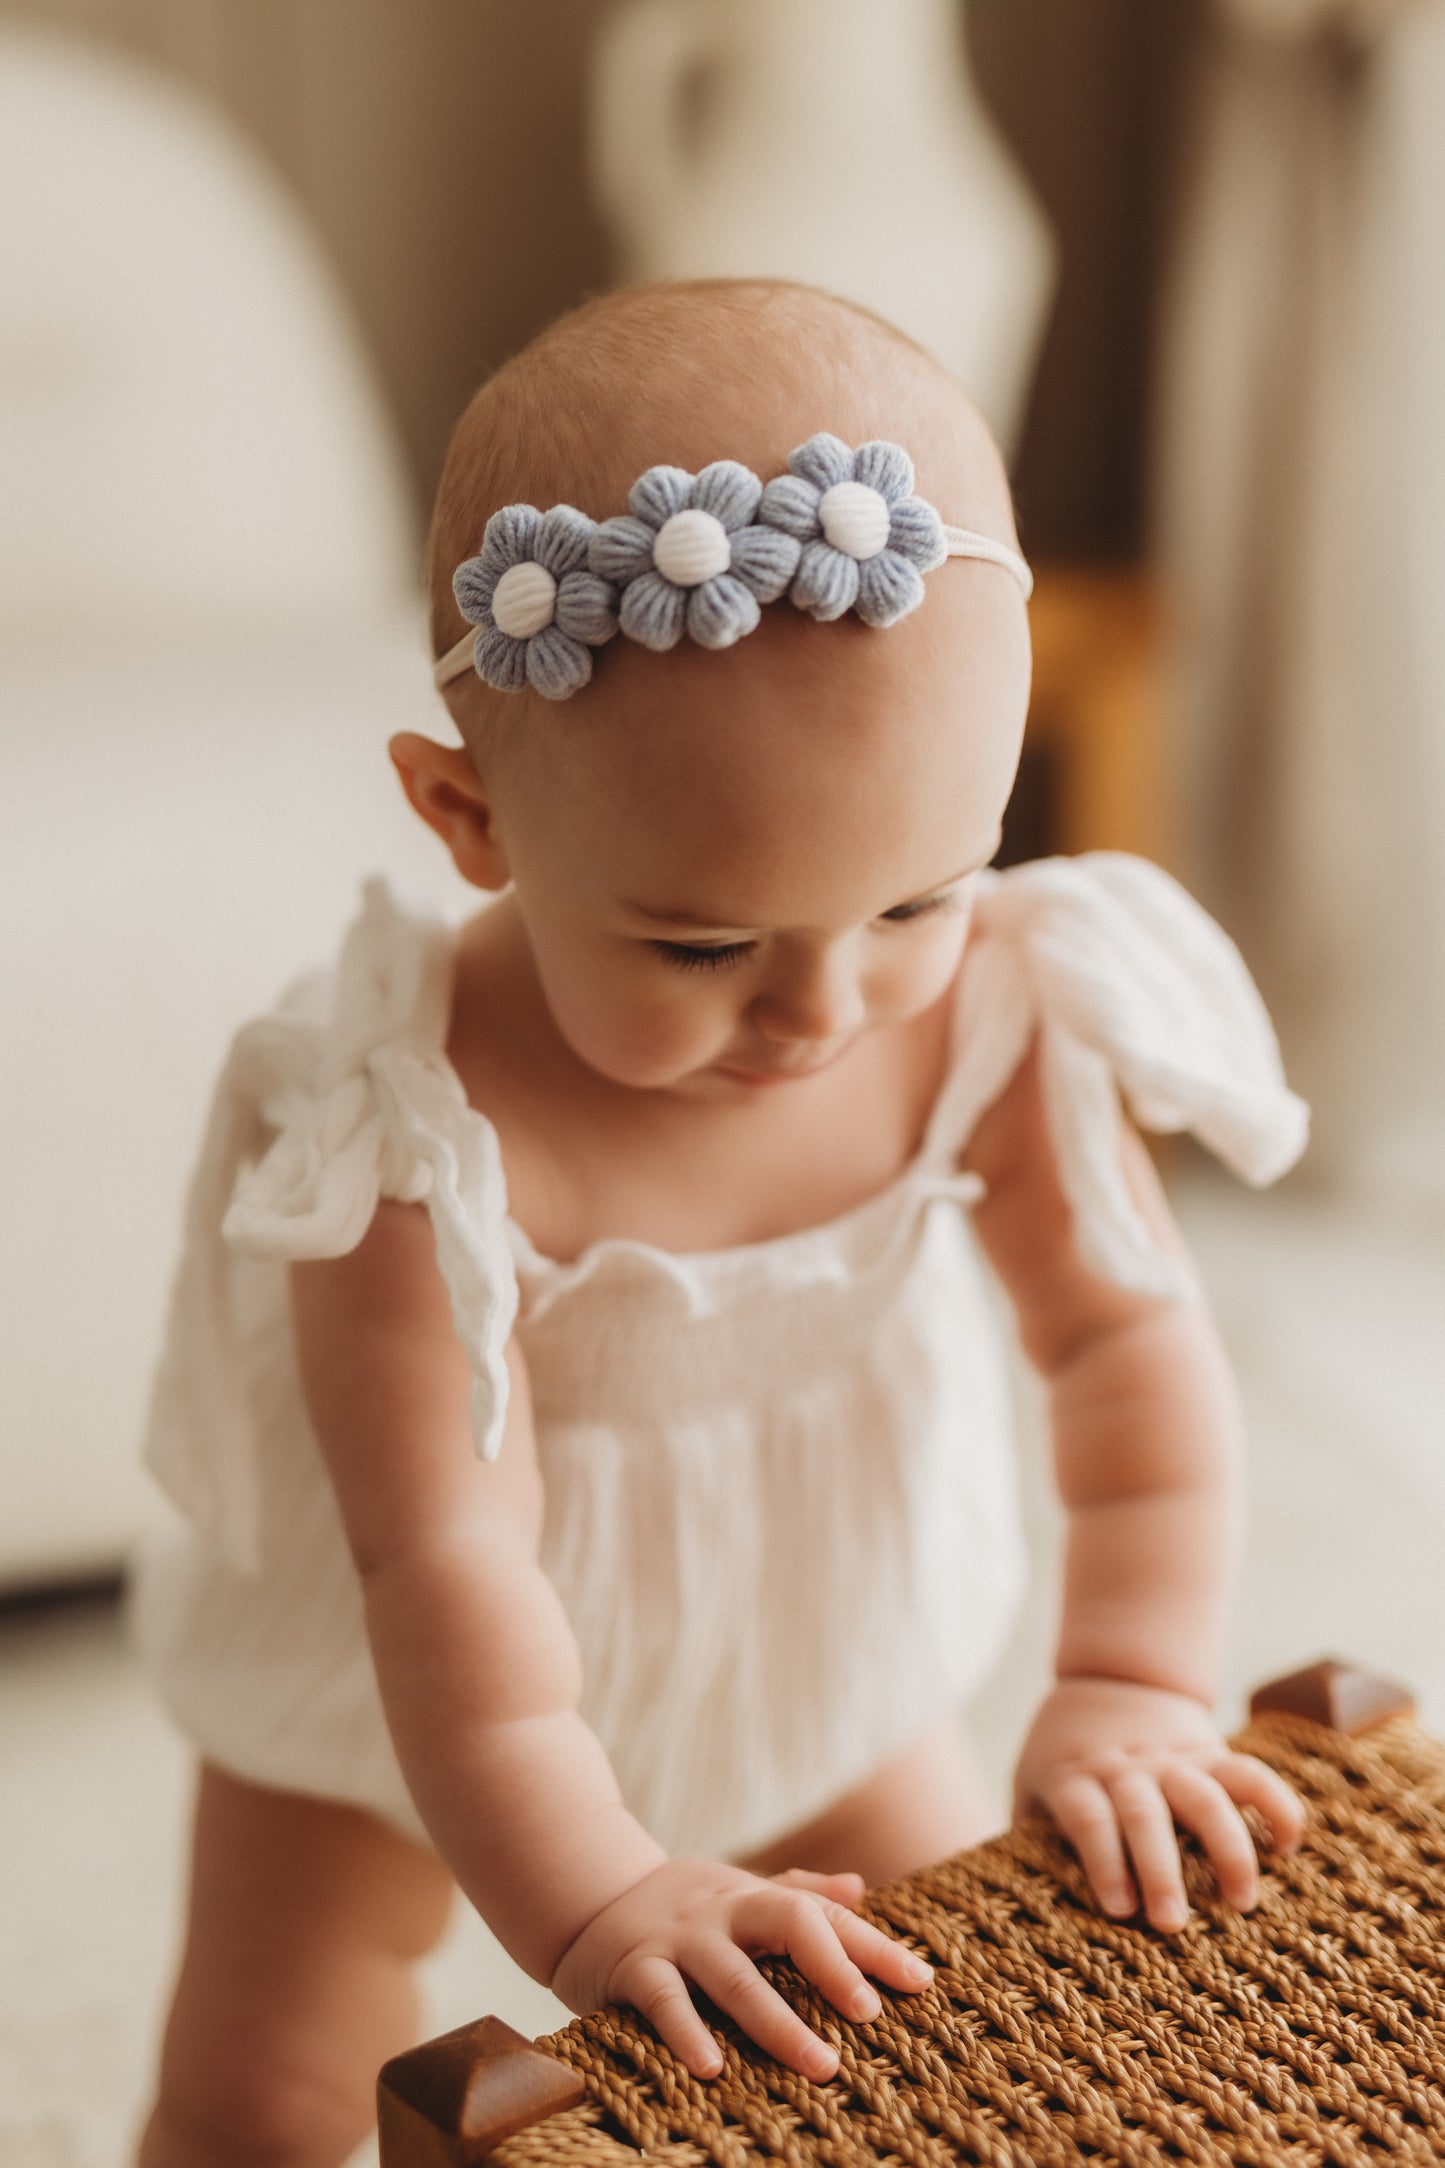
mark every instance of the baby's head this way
{"type": "Point", "coordinates": [729, 862]}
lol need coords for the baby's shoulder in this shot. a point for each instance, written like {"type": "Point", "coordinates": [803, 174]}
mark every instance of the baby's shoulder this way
{"type": "Point", "coordinates": [1127, 990]}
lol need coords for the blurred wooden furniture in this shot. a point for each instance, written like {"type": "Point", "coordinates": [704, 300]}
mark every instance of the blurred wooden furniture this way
{"type": "Point", "coordinates": [1311, 2030]}
{"type": "Point", "coordinates": [1090, 777]}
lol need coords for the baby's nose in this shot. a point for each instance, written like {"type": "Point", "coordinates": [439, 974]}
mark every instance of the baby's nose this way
{"type": "Point", "coordinates": [822, 1000]}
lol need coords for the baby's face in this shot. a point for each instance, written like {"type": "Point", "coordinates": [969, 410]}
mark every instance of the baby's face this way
{"type": "Point", "coordinates": [731, 865]}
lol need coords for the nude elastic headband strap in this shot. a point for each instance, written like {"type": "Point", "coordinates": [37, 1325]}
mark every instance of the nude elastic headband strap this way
{"type": "Point", "coordinates": [958, 542]}
{"type": "Point", "coordinates": [457, 660]}
{"type": "Point", "coordinates": [963, 542]}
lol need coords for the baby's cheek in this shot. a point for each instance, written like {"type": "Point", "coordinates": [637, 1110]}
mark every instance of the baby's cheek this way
{"type": "Point", "coordinates": [639, 1039]}
{"type": "Point", "coordinates": [913, 980]}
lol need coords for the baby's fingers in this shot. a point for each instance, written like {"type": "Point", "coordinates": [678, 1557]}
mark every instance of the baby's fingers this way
{"type": "Point", "coordinates": [1200, 1803]}
{"type": "Point", "coordinates": [1085, 1814]}
{"type": "Point", "coordinates": [1148, 1828]}
{"type": "Point", "coordinates": [1252, 1783]}
{"type": "Point", "coordinates": [876, 1953]}
{"type": "Point", "coordinates": [811, 1935]}
{"type": "Point", "coordinates": [656, 1988]}
{"type": "Point", "coordinates": [729, 1976]}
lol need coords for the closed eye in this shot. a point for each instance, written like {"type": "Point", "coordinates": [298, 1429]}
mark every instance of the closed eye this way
{"type": "Point", "coordinates": [903, 912]}
{"type": "Point", "coordinates": [686, 956]}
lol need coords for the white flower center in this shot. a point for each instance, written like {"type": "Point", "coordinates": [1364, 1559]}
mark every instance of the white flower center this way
{"type": "Point", "coordinates": [691, 547]}
{"type": "Point", "coordinates": [854, 518]}
{"type": "Point", "coordinates": [524, 599]}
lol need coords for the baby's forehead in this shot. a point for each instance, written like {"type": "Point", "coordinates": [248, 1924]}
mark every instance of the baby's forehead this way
{"type": "Point", "coordinates": [805, 727]}
{"type": "Point", "coordinates": [760, 825]}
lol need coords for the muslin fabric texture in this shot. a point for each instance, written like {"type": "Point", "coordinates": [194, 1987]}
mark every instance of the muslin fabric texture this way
{"type": "Point", "coordinates": [780, 1493]}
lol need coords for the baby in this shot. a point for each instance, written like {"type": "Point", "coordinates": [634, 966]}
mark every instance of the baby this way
{"type": "Point", "coordinates": [618, 1540]}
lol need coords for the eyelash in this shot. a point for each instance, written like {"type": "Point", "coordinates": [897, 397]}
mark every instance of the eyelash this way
{"type": "Point", "coordinates": [901, 913]}
{"type": "Point", "coordinates": [684, 957]}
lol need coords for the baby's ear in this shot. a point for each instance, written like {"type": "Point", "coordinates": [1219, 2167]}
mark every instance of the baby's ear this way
{"type": "Point", "coordinates": [445, 789]}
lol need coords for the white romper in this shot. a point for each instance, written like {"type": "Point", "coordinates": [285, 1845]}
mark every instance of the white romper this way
{"type": "Point", "coordinates": [780, 1493]}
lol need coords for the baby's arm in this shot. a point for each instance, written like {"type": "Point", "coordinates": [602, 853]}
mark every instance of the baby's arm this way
{"type": "Point", "coordinates": [480, 1678]}
{"type": "Point", "coordinates": [1147, 1450]}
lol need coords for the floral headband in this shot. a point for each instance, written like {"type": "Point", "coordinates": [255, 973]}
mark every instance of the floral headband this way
{"type": "Point", "coordinates": [699, 553]}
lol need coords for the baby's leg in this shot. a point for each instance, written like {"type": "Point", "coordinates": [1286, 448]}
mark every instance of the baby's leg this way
{"type": "Point", "coordinates": [925, 1803]}
{"type": "Point", "coordinates": [306, 1919]}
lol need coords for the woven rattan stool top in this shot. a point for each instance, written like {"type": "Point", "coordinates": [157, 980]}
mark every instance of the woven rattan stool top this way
{"type": "Point", "coordinates": [1309, 2031]}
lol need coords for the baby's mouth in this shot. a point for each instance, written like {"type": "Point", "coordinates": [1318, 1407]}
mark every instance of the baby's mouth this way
{"type": "Point", "coordinates": [777, 1072]}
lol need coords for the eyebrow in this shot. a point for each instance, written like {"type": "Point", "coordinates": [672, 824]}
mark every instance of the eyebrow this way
{"type": "Point", "coordinates": [703, 920]}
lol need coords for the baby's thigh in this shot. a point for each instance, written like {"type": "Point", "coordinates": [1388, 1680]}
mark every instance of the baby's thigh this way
{"type": "Point", "coordinates": [306, 1920]}
{"type": "Point", "coordinates": [924, 1803]}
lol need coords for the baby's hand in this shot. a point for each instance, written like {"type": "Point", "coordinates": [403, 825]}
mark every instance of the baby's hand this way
{"type": "Point", "coordinates": [1117, 1765]}
{"type": "Point", "coordinates": [693, 1919]}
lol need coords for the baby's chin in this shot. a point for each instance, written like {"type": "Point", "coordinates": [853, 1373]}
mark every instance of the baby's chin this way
{"type": "Point", "coordinates": [722, 1080]}
{"type": "Point", "coordinates": [719, 1079]}
{"type": "Point", "coordinates": [628, 1068]}
{"type": "Point", "coordinates": [709, 1084]}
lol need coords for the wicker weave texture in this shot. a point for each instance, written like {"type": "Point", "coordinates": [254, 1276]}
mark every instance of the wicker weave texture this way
{"type": "Point", "coordinates": [1311, 2031]}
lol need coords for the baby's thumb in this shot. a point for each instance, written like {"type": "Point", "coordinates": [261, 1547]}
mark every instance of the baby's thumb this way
{"type": "Point", "coordinates": [843, 1889]}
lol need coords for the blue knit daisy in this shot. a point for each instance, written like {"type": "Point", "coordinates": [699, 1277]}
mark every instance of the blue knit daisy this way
{"type": "Point", "coordinates": [538, 609]}
{"type": "Point", "coordinates": [691, 556]}
{"type": "Point", "coordinates": [865, 539]}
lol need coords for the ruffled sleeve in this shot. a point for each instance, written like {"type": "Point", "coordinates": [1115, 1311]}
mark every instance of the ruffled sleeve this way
{"type": "Point", "coordinates": [341, 1096]}
{"type": "Point", "coordinates": [1130, 988]}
